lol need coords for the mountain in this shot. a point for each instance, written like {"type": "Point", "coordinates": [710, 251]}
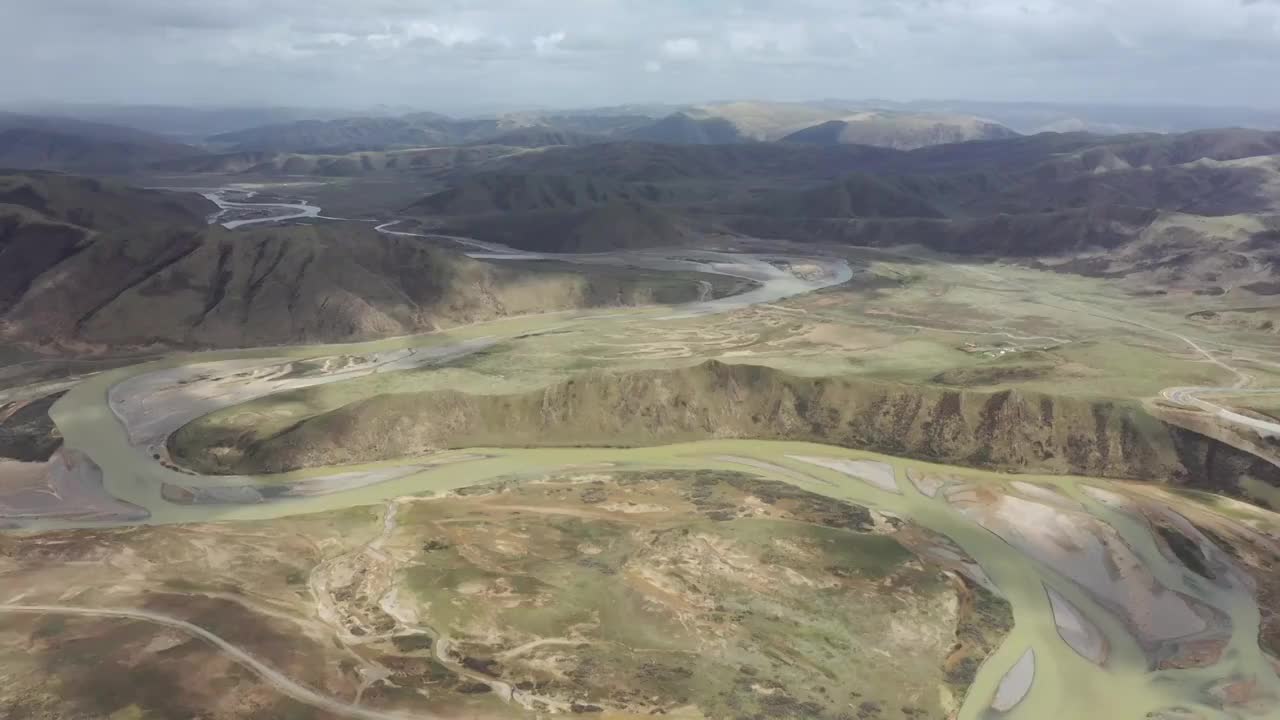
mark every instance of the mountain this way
{"type": "Point", "coordinates": [1046, 196]}
{"type": "Point", "coordinates": [1079, 178]}
{"type": "Point", "coordinates": [613, 122]}
{"type": "Point", "coordinates": [361, 133]}
{"type": "Point", "coordinates": [501, 193]}
{"type": "Point", "coordinates": [614, 226]}
{"type": "Point", "coordinates": [1152, 151]}
{"type": "Point", "coordinates": [732, 122]}
{"type": "Point", "coordinates": [81, 128]}
{"type": "Point", "coordinates": [764, 121]}
{"type": "Point", "coordinates": [99, 205]}
{"type": "Point", "coordinates": [542, 136]}
{"type": "Point", "coordinates": [48, 219]}
{"type": "Point", "coordinates": [708, 124]}
{"type": "Point", "coordinates": [768, 162]}
{"type": "Point", "coordinates": [1033, 117]}
{"type": "Point", "coordinates": [1027, 235]}
{"type": "Point", "coordinates": [216, 163]}
{"type": "Point", "coordinates": [86, 265]}
{"type": "Point", "coordinates": [187, 124]}
{"type": "Point", "coordinates": [902, 131]}
{"type": "Point", "coordinates": [1215, 172]}
{"type": "Point", "coordinates": [40, 143]}
{"type": "Point", "coordinates": [858, 195]}
{"type": "Point", "coordinates": [425, 130]}
{"type": "Point", "coordinates": [656, 163]}
{"type": "Point", "coordinates": [683, 129]}
{"type": "Point", "coordinates": [355, 164]}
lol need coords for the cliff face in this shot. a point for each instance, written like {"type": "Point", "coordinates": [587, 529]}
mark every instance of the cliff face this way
{"type": "Point", "coordinates": [1007, 430]}
{"type": "Point", "coordinates": [1223, 458]}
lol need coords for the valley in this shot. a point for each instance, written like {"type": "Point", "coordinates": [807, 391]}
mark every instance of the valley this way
{"type": "Point", "coordinates": [811, 429]}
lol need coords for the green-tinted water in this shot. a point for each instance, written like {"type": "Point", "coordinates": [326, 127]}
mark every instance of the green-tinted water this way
{"type": "Point", "coordinates": [1065, 685]}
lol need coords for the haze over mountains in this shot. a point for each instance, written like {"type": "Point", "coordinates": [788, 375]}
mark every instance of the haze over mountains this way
{"type": "Point", "coordinates": [697, 125]}
{"type": "Point", "coordinates": [326, 143]}
{"type": "Point", "coordinates": [326, 131]}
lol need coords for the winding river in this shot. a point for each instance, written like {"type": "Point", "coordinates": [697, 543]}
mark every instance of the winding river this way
{"type": "Point", "coordinates": [1098, 603]}
{"type": "Point", "coordinates": [273, 212]}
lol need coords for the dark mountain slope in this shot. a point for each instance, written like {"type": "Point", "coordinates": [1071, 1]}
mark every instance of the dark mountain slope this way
{"type": "Point", "coordinates": [614, 226]}
{"type": "Point", "coordinates": [855, 196]}
{"type": "Point", "coordinates": [1025, 235]}
{"type": "Point", "coordinates": [355, 164]}
{"type": "Point", "coordinates": [31, 244]}
{"type": "Point", "coordinates": [152, 272]}
{"type": "Point", "coordinates": [490, 193]}
{"type": "Point", "coordinates": [301, 284]}
{"type": "Point", "coordinates": [340, 135]}
{"type": "Point", "coordinates": [650, 162]}
{"type": "Point", "coordinates": [101, 204]}
{"type": "Point", "coordinates": [541, 136]}
{"type": "Point", "coordinates": [681, 129]}
{"type": "Point", "coordinates": [83, 129]}
{"type": "Point", "coordinates": [1164, 151]}
{"type": "Point", "coordinates": [1077, 179]}
{"type": "Point", "coordinates": [39, 148]}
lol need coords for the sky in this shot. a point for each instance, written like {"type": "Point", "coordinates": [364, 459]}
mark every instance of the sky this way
{"type": "Point", "coordinates": [461, 55]}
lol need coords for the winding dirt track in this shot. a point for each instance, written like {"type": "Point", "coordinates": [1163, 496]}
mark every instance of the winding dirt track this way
{"type": "Point", "coordinates": [274, 677]}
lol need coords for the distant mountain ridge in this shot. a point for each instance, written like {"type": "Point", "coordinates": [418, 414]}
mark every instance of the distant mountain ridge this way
{"type": "Point", "coordinates": [339, 135]}
{"type": "Point", "coordinates": [32, 142]}
{"type": "Point", "coordinates": [900, 131]}
{"type": "Point", "coordinates": [423, 130]}
{"type": "Point", "coordinates": [709, 124]}
{"type": "Point", "coordinates": [684, 129]}
{"type": "Point", "coordinates": [504, 193]}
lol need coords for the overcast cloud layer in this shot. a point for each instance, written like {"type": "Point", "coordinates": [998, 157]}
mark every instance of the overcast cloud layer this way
{"type": "Point", "coordinates": [459, 55]}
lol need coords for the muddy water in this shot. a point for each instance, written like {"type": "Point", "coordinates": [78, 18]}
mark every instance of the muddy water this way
{"type": "Point", "coordinates": [1063, 683]}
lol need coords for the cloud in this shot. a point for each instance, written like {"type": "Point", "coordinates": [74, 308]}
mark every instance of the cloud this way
{"type": "Point", "coordinates": [783, 39]}
{"type": "Point", "coordinates": [447, 35]}
{"type": "Point", "coordinates": [683, 48]}
{"type": "Point", "coordinates": [547, 52]}
{"type": "Point", "coordinates": [548, 44]}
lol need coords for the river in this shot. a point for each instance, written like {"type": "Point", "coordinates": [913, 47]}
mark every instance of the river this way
{"type": "Point", "coordinates": [1037, 673]}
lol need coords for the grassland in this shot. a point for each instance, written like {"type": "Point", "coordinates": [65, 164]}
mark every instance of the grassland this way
{"type": "Point", "coordinates": [693, 594]}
